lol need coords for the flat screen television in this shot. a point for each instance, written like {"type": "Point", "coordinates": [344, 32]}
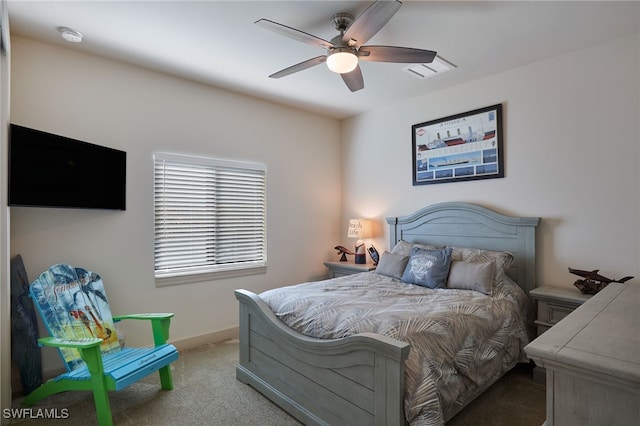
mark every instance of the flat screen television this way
{"type": "Point", "coordinates": [47, 170]}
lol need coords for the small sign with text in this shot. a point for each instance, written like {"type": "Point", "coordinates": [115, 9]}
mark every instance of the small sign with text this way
{"type": "Point", "coordinates": [35, 413]}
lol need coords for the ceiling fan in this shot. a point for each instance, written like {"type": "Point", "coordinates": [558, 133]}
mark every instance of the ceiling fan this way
{"type": "Point", "coordinates": [345, 50]}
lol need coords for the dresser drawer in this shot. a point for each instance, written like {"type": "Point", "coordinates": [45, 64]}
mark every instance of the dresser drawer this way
{"type": "Point", "coordinates": [551, 313]}
{"type": "Point", "coordinates": [554, 304]}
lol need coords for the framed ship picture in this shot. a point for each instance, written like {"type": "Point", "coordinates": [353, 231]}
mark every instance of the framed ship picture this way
{"type": "Point", "coordinates": [466, 146]}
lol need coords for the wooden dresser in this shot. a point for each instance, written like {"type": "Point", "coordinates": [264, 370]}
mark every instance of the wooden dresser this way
{"type": "Point", "coordinates": [592, 361]}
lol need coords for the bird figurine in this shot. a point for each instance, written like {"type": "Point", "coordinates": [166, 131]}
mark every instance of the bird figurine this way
{"type": "Point", "coordinates": [593, 282]}
{"type": "Point", "coordinates": [344, 251]}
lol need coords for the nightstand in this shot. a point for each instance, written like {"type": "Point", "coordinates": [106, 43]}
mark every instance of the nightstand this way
{"type": "Point", "coordinates": [339, 269]}
{"type": "Point", "coordinates": [555, 303]}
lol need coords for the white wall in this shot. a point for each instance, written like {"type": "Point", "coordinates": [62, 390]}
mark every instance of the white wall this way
{"type": "Point", "coordinates": [109, 103]}
{"type": "Point", "coordinates": [571, 142]}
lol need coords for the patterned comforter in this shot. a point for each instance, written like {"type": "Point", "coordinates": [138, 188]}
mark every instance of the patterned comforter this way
{"type": "Point", "coordinates": [460, 339]}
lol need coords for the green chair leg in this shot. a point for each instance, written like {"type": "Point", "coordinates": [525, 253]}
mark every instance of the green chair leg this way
{"type": "Point", "coordinates": [41, 392]}
{"type": "Point", "coordinates": [94, 363]}
{"type": "Point", "coordinates": [103, 409]}
{"type": "Point", "coordinates": [166, 381]}
{"type": "Point", "coordinates": [160, 329]}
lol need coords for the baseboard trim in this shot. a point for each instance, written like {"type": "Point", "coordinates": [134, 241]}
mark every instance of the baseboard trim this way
{"type": "Point", "coordinates": [206, 339]}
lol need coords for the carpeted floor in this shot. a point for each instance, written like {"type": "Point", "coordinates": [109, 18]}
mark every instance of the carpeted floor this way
{"type": "Point", "coordinates": [207, 393]}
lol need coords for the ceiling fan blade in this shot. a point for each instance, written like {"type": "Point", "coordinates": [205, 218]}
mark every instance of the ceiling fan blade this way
{"type": "Point", "coordinates": [353, 79]}
{"type": "Point", "coordinates": [293, 33]}
{"type": "Point", "coordinates": [395, 54]}
{"type": "Point", "coordinates": [299, 67]}
{"type": "Point", "coordinates": [369, 22]}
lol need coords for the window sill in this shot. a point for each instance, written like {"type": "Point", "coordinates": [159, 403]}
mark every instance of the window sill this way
{"type": "Point", "coordinates": [208, 276]}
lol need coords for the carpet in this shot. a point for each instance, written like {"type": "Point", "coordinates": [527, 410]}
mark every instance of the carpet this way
{"type": "Point", "coordinates": [206, 392]}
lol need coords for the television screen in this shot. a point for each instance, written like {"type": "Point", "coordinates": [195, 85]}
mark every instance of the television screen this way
{"type": "Point", "coordinates": [47, 170]}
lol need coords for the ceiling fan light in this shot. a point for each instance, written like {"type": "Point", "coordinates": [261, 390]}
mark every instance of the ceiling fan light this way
{"type": "Point", "coordinates": [342, 61]}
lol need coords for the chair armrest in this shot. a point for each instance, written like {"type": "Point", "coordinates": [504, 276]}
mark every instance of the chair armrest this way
{"type": "Point", "coordinates": [159, 324]}
{"type": "Point", "coordinates": [117, 318]}
{"type": "Point", "coordinates": [89, 349]}
{"type": "Point", "coordinates": [70, 343]}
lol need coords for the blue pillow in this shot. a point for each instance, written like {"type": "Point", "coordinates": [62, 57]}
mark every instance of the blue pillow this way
{"type": "Point", "coordinates": [428, 268]}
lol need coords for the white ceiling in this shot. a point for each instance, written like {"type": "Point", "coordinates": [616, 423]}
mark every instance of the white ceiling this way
{"type": "Point", "coordinates": [216, 42]}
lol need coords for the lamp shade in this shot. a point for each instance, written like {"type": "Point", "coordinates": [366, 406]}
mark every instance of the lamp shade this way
{"type": "Point", "coordinates": [359, 228]}
{"type": "Point", "coordinates": [342, 61]}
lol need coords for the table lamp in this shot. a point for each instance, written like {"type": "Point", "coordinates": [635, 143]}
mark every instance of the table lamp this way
{"type": "Point", "coordinates": [360, 229]}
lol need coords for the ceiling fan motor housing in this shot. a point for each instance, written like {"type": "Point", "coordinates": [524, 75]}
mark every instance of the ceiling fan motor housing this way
{"type": "Point", "coordinates": [341, 21]}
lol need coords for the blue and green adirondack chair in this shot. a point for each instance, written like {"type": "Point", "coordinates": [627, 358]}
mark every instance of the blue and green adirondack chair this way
{"type": "Point", "coordinates": [73, 306]}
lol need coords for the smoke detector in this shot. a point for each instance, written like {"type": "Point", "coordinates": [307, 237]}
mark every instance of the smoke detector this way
{"type": "Point", "coordinates": [70, 35]}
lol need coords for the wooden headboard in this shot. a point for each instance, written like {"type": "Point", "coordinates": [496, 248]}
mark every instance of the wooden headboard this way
{"type": "Point", "coordinates": [472, 226]}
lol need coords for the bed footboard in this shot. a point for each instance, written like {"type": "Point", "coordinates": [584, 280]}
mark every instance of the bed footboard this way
{"type": "Point", "coordinates": [358, 380]}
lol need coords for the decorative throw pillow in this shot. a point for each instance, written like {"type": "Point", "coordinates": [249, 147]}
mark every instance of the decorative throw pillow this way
{"type": "Point", "coordinates": [471, 276]}
{"type": "Point", "coordinates": [502, 260]}
{"type": "Point", "coordinates": [392, 265]}
{"type": "Point", "coordinates": [428, 268]}
{"type": "Point", "coordinates": [403, 248]}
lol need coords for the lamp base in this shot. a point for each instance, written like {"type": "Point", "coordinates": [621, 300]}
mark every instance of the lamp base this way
{"type": "Point", "coordinates": [361, 256]}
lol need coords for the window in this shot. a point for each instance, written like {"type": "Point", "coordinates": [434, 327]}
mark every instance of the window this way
{"type": "Point", "coordinates": [210, 218]}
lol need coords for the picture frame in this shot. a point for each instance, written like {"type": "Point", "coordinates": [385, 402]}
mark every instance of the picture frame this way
{"type": "Point", "coordinates": [460, 147]}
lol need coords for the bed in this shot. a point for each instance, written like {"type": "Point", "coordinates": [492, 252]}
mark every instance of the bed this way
{"type": "Point", "coordinates": [360, 378]}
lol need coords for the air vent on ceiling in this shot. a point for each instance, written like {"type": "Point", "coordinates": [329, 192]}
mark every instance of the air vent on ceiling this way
{"type": "Point", "coordinates": [422, 71]}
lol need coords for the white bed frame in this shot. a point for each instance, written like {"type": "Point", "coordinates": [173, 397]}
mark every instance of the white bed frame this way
{"type": "Point", "coordinates": [359, 380]}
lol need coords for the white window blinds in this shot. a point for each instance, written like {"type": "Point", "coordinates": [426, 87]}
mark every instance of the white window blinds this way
{"type": "Point", "coordinates": [210, 215]}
